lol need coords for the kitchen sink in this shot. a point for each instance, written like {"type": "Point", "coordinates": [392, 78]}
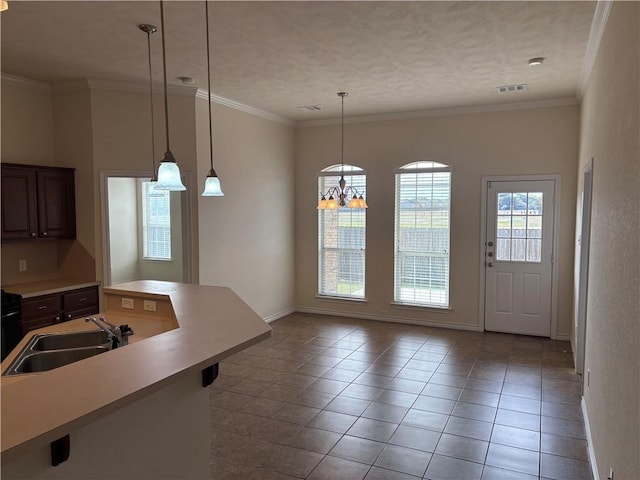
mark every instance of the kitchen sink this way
{"type": "Point", "coordinates": [48, 360]}
{"type": "Point", "coordinates": [46, 351]}
{"type": "Point", "coordinates": [58, 341]}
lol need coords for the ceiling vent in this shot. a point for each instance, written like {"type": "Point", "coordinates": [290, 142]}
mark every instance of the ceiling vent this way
{"type": "Point", "coordinates": [310, 108]}
{"type": "Point", "coordinates": [512, 88]}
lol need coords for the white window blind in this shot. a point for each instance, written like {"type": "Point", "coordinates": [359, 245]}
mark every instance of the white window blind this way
{"type": "Point", "coordinates": [422, 234]}
{"type": "Point", "coordinates": [156, 223]}
{"type": "Point", "coordinates": [341, 239]}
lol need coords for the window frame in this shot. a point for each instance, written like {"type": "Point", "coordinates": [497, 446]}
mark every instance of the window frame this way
{"type": "Point", "coordinates": [144, 237]}
{"type": "Point", "coordinates": [400, 255]}
{"type": "Point", "coordinates": [349, 171]}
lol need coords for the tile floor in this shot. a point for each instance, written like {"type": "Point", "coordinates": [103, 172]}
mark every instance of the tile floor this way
{"type": "Point", "coordinates": [340, 398]}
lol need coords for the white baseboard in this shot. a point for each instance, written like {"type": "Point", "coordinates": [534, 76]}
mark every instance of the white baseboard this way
{"type": "Point", "coordinates": [564, 338]}
{"type": "Point", "coordinates": [592, 453]}
{"type": "Point", "coordinates": [275, 316]}
{"type": "Point", "coordinates": [388, 318]}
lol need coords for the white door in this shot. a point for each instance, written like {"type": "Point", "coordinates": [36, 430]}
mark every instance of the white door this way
{"type": "Point", "coordinates": [519, 256]}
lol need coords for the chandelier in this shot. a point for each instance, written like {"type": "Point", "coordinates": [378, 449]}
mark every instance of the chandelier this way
{"type": "Point", "coordinates": [336, 197]}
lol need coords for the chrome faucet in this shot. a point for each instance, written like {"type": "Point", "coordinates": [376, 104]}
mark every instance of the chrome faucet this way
{"type": "Point", "coordinates": [119, 336]}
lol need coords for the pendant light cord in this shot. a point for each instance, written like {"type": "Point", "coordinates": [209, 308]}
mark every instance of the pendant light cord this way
{"type": "Point", "coordinates": [164, 70]}
{"type": "Point", "coordinates": [153, 141]}
{"type": "Point", "coordinates": [206, 7]}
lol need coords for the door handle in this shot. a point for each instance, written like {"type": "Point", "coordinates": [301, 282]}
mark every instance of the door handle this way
{"type": "Point", "coordinates": [490, 264]}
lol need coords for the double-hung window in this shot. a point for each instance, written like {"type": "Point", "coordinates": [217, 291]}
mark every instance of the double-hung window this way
{"type": "Point", "coordinates": [341, 238]}
{"type": "Point", "coordinates": [156, 223]}
{"type": "Point", "coordinates": [422, 234]}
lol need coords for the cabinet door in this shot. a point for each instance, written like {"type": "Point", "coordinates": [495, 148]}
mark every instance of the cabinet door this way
{"type": "Point", "coordinates": [80, 303]}
{"type": "Point", "coordinates": [19, 214]}
{"type": "Point", "coordinates": [56, 204]}
{"type": "Point", "coordinates": [41, 312]}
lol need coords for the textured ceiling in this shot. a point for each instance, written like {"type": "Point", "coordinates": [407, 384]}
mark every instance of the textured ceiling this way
{"type": "Point", "coordinates": [276, 56]}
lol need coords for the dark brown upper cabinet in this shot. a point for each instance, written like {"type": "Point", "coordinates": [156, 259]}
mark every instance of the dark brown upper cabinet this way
{"type": "Point", "coordinates": [37, 202]}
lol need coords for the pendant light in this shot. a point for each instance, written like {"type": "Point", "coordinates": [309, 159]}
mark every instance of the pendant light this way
{"type": "Point", "coordinates": [149, 29]}
{"type": "Point", "coordinates": [337, 196]}
{"type": "Point", "coordinates": [212, 182]}
{"type": "Point", "coordinates": [168, 170]}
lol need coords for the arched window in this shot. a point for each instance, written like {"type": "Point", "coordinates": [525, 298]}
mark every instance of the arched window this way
{"type": "Point", "coordinates": [341, 237]}
{"type": "Point", "coordinates": [422, 234]}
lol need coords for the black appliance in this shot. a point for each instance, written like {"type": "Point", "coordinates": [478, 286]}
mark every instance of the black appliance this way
{"type": "Point", "coordinates": [11, 333]}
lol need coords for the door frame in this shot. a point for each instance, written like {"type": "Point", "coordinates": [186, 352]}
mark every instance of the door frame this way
{"type": "Point", "coordinates": [556, 234]}
{"type": "Point", "coordinates": [584, 240]}
{"type": "Point", "coordinates": [187, 252]}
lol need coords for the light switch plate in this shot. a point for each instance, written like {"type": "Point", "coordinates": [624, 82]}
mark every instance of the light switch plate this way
{"type": "Point", "coordinates": [149, 305]}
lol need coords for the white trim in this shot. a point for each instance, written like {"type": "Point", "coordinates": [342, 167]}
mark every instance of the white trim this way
{"type": "Point", "coordinates": [276, 316]}
{"type": "Point", "coordinates": [443, 112]}
{"type": "Point", "coordinates": [338, 298]}
{"type": "Point", "coordinates": [392, 319]}
{"type": "Point", "coordinates": [556, 236]}
{"type": "Point", "coordinates": [598, 24]}
{"type": "Point", "coordinates": [25, 82]}
{"type": "Point", "coordinates": [592, 452]}
{"type": "Point", "coordinates": [202, 94]}
{"type": "Point", "coordinates": [565, 338]}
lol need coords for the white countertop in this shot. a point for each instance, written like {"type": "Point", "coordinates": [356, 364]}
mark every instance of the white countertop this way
{"type": "Point", "coordinates": [213, 324]}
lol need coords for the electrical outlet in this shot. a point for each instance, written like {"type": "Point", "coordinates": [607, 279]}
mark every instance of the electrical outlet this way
{"type": "Point", "coordinates": [22, 265]}
{"type": "Point", "coordinates": [149, 305]}
{"type": "Point", "coordinates": [128, 303]}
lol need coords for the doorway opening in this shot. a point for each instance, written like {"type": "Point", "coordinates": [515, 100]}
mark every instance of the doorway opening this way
{"type": "Point", "coordinates": [583, 269]}
{"type": "Point", "coordinates": [146, 233]}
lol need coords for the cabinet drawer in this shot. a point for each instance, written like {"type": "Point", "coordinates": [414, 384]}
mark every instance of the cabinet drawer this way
{"type": "Point", "coordinates": [81, 300]}
{"type": "Point", "coordinates": [28, 325]}
{"type": "Point", "coordinates": [49, 305]}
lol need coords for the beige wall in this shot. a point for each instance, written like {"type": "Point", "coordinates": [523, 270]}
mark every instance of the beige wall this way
{"type": "Point", "coordinates": [123, 229]}
{"type": "Point", "coordinates": [27, 123]}
{"type": "Point", "coordinates": [610, 135]}
{"type": "Point", "coordinates": [247, 236]}
{"type": "Point", "coordinates": [535, 141]}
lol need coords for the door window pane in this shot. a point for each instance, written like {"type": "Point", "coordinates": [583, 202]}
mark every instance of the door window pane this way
{"type": "Point", "coordinates": [519, 227]}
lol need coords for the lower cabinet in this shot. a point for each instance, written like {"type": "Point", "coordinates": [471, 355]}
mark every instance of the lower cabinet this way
{"type": "Point", "coordinates": [45, 310]}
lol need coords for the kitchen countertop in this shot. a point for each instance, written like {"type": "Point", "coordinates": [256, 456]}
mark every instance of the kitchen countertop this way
{"type": "Point", "coordinates": [46, 287]}
{"type": "Point", "coordinates": [213, 323]}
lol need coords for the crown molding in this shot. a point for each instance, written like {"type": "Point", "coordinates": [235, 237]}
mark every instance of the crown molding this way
{"type": "Point", "coordinates": [244, 108]}
{"type": "Point", "coordinates": [25, 82]}
{"type": "Point", "coordinates": [444, 112]}
{"type": "Point", "coordinates": [598, 24]}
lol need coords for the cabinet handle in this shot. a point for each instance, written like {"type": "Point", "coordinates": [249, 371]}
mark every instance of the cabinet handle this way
{"type": "Point", "coordinates": [83, 299]}
{"type": "Point", "coordinates": [44, 234]}
{"type": "Point", "coordinates": [42, 307]}
{"type": "Point", "coordinates": [56, 319]}
{"type": "Point", "coordinates": [68, 316]}
{"type": "Point", "coordinates": [33, 234]}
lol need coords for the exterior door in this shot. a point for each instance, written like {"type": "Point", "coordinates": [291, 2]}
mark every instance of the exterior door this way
{"type": "Point", "coordinates": [519, 256]}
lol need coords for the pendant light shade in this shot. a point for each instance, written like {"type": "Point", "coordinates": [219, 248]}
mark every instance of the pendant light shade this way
{"type": "Point", "coordinates": [212, 186]}
{"type": "Point", "coordinates": [342, 191]}
{"type": "Point", "coordinates": [168, 171]}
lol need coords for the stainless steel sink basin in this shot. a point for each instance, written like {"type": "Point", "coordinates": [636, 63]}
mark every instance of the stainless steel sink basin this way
{"type": "Point", "coordinates": [58, 341]}
{"type": "Point", "coordinates": [43, 361]}
{"type": "Point", "coordinates": [46, 351]}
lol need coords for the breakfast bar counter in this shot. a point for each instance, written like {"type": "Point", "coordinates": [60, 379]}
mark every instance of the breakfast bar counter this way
{"type": "Point", "coordinates": [179, 330]}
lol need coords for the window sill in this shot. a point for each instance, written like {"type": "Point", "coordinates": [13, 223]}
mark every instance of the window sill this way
{"type": "Point", "coordinates": [336, 298]}
{"type": "Point", "coordinates": [417, 306]}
